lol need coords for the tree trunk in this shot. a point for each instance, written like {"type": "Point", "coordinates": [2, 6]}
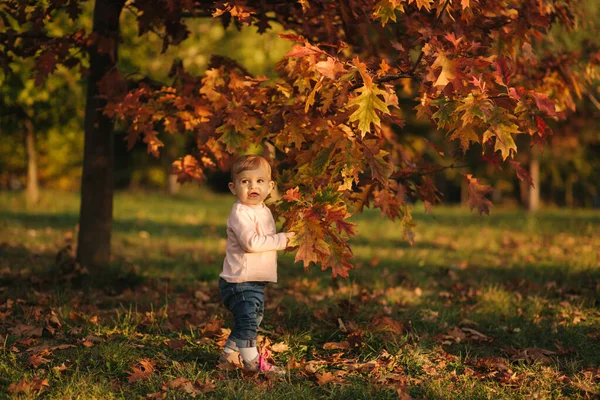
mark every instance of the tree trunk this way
{"type": "Point", "coordinates": [33, 188]}
{"type": "Point", "coordinates": [534, 172]}
{"type": "Point", "coordinates": [569, 197]}
{"type": "Point", "coordinates": [174, 186]}
{"type": "Point", "coordinates": [95, 218]}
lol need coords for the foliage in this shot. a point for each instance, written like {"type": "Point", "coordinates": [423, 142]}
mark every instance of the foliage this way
{"type": "Point", "coordinates": [506, 309]}
{"type": "Point", "coordinates": [478, 69]}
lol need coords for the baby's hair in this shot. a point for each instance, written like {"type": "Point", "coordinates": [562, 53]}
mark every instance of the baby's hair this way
{"type": "Point", "coordinates": [247, 163]}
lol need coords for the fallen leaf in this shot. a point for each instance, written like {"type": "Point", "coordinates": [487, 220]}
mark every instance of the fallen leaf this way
{"type": "Point", "coordinates": [324, 378]}
{"type": "Point", "coordinates": [36, 361]}
{"type": "Point", "coordinates": [25, 386]}
{"type": "Point", "coordinates": [279, 347]}
{"type": "Point", "coordinates": [143, 372]}
{"type": "Point", "coordinates": [175, 344]}
{"type": "Point", "coordinates": [27, 330]}
{"type": "Point", "coordinates": [387, 324]}
{"type": "Point", "coordinates": [530, 354]}
{"type": "Point", "coordinates": [90, 340]}
{"type": "Point", "coordinates": [156, 395]}
{"type": "Point", "coordinates": [336, 345]}
{"type": "Point", "coordinates": [193, 389]}
{"type": "Point", "coordinates": [60, 368]}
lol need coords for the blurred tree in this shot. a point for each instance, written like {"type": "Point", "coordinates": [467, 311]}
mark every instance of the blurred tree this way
{"type": "Point", "coordinates": [330, 111]}
{"type": "Point", "coordinates": [40, 119]}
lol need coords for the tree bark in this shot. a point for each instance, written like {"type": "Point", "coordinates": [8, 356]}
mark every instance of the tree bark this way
{"type": "Point", "coordinates": [97, 182]}
{"type": "Point", "coordinates": [534, 172]}
{"type": "Point", "coordinates": [33, 187]}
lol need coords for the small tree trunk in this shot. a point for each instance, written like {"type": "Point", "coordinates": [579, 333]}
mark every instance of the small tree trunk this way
{"type": "Point", "coordinates": [174, 186]}
{"type": "Point", "coordinates": [534, 172]}
{"type": "Point", "coordinates": [97, 182]}
{"type": "Point", "coordinates": [33, 188]}
{"type": "Point", "coordinates": [569, 197]}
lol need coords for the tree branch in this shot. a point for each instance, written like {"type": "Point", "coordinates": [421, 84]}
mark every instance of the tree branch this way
{"type": "Point", "coordinates": [411, 73]}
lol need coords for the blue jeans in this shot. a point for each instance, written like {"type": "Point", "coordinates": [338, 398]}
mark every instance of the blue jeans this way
{"type": "Point", "coordinates": [246, 301]}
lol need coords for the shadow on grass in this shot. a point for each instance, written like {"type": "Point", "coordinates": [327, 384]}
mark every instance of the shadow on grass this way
{"type": "Point", "coordinates": [550, 221]}
{"type": "Point", "coordinates": [70, 220]}
{"type": "Point", "coordinates": [45, 271]}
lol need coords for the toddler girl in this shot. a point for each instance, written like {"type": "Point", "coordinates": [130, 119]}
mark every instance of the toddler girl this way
{"type": "Point", "coordinates": [250, 259]}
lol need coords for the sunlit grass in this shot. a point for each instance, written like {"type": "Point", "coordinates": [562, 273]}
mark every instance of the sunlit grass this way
{"type": "Point", "coordinates": [464, 302]}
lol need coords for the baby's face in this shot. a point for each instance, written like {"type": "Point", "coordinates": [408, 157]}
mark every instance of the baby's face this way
{"type": "Point", "coordinates": [252, 186]}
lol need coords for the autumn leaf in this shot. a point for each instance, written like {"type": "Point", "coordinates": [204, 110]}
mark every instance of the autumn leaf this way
{"type": "Point", "coordinates": [279, 347]}
{"type": "Point", "coordinates": [36, 361]}
{"type": "Point", "coordinates": [232, 139]}
{"type": "Point", "coordinates": [25, 386]}
{"type": "Point", "coordinates": [505, 143]}
{"type": "Point", "coordinates": [466, 136]}
{"type": "Point", "coordinates": [141, 372]}
{"type": "Point", "coordinates": [292, 194]}
{"type": "Point", "coordinates": [544, 103]}
{"type": "Point", "coordinates": [385, 10]}
{"type": "Point", "coordinates": [154, 144]}
{"type": "Point", "coordinates": [380, 168]}
{"type": "Point", "coordinates": [530, 354]}
{"type": "Point", "coordinates": [448, 72]}
{"type": "Point", "coordinates": [45, 65]}
{"type": "Point", "coordinates": [27, 330]}
{"type": "Point", "coordinates": [367, 103]}
{"type": "Point", "coordinates": [330, 68]}
{"type": "Point", "coordinates": [323, 378]}
{"type": "Point", "coordinates": [422, 4]}
{"type": "Point", "coordinates": [477, 193]}
{"type": "Point", "coordinates": [310, 240]}
{"type": "Point", "coordinates": [337, 345]}
{"type": "Point", "coordinates": [193, 389]}
{"type": "Point", "coordinates": [187, 169]}
{"type": "Point", "coordinates": [522, 173]}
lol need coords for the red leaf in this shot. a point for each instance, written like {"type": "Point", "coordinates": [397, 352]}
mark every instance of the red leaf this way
{"type": "Point", "coordinates": [544, 103]}
{"type": "Point", "coordinates": [543, 128]}
{"type": "Point", "coordinates": [477, 193]}
{"type": "Point", "coordinates": [493, 158]}
{"type": "Point", "coordinates": [45, 65]}
{"type": "Point", "coordinates": [522, 173]}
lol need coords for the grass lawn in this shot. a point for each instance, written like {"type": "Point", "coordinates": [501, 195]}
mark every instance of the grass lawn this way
{"type": "Point", "coordinates": [498, 307]}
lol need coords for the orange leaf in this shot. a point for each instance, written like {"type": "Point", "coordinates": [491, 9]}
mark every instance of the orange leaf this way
{"type": "Point", "coordinates": [337, 345]}
{"type": "Point", "coordinates": [279, 347]}
{"type": "Point", "coordinates": [143, 372]}
{"type": "Point", "coordinates": [330, 68]}
{"type": "Point", "coordinates": [24, 386]}
{"type": "Point", "coordinates": [37, 361]}
{"type": "Point", "coordinates": [324, 378]}
{"type": "Point", "coordinates": [309, 239]}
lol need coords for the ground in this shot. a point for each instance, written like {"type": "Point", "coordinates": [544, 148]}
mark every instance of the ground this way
{"type": "Point", "coordinates": [505, 306]}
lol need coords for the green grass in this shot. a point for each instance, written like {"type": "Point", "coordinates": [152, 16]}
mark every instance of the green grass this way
{"type": "Point", "coordinates": [505, 306]}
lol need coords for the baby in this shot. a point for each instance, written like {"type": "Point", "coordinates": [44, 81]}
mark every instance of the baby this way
{"type": "Point", "coordinates": [250, 259]}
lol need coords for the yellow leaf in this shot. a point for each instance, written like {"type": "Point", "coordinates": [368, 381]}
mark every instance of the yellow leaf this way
{"type": "Point", "coordinates": [448, 70]}
{"type": "Point", "coordinates": [367, 103]}
{"type": "Point", "coordinates": [466, 136]}
{"type": "Point", "coordinates": [279, 347]}
{"type": "Point", "coordinates": [504, 140]}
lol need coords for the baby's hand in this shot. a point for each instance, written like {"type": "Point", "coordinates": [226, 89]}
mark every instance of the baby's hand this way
{"type": "Point", "coordinates": [290, 234]}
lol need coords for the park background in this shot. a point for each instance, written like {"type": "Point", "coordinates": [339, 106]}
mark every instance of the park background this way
{"type": "Point", "coordinates": [499, 306]}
